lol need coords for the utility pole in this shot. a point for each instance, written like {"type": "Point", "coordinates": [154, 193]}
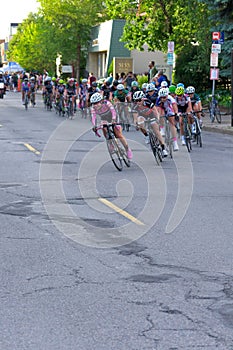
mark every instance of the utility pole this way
{"type": "Point", "coordinates": [232, 87]}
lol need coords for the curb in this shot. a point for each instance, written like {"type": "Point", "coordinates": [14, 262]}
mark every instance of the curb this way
{"type": "Point", "coordinates": [227, 130]}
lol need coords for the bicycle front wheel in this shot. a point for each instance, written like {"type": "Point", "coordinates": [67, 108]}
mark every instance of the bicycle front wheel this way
{"type": "Point", "coordinates": [115, 154]}
{"type": "Point", "coordinates": [155, 147]}
{"type": "Point", "coordinates": [26, 102]}
{"type": "Point", "coordinates": [198, 133]}
{"type": "Point", "coordinates": [188, 137]}
{"type": "Point", "coordinates": [168, 139]}
{"type": "Point", "coordinates": [124, 155]}
{"type": "Point", "coordinates": [218, 115]}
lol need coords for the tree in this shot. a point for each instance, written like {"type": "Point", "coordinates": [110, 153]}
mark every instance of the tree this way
{"type": "Point", "coordinates": [29, 46]}
{"type": "Point", "coordinates": [73, 20]}
{"type": "Point", "coordinates": [155, 23]}
{"type": "Point", "coordinates": [222, 20]}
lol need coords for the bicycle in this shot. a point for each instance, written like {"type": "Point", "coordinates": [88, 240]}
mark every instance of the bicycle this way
{"type": "Point", "coordinates": [214, 110]}
{"type": "Point", "coordinates": [83, 106]}
{"type": "Point", "coordinates": [26, 100]}
{"type": "Point", "coordinates": [47, 101]}
{"type": "Point", "coordinates": [187, 131]}
{"type": "Point", "coordinates": [122, 112]}
{"type": "Point", "coordinates": [116, 150]}
{"type": "Point", "coordinates": [154, 142]}
{"type": "Point", "coordinates": [69, 108]}
{"type": "Point", "coordinates": [33, 97]}
{"type": "Point", "coordinates": [168, 139]}
{"type": "Point", "coordinates": [197, 130]}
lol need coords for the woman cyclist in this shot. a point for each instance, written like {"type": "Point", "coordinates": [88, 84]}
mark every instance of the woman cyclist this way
{"type": "Point", "coordinates": [107, 113]}
{"type": "Point", "coordinates": [184, 106]}
{"type": "Point", "coordinates": [147, 110]}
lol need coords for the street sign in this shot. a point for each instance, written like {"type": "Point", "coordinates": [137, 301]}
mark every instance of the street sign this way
{"type": "Point", "coordinates": [170, 58]}
{"type": "Point", "coordinates": [216, 48]}
{"type": "Point", "coordinates": [218, 38]}
{"type": "Point", "coordinates": [67, 69]}
{"type": "Point", "coordinates": [214, 60]}
{"type": "Point", "coordinates": [214, 73]}
{"type": "Point", "coordinates": [170, 46]}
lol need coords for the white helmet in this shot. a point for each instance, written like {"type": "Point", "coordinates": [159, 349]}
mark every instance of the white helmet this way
{"type": "Point", "coordinates": [84, 80]}
{"type": "Point", "coordinates": [190, 90]}
{"type": "Point", "coordinates": [164, 83]}
{"type": "Point", "coordinates": [144, 86]}
{"type": "Point", "coordinates": [120, 87]}
{"type": "Point", "coordinates": [138, 95]}
{"type": "Point", "coordinates": [150, 87]}
{"type": "Point", "coordinates": [96, 97]}
{"type": "Point", "coordinates": [163, 92]}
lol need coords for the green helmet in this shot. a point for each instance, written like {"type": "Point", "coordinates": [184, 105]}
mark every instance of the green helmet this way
{"type": "Point", "coordinates": [179, 91]}
{"type": "Point", "coordinates": [54, 79]}
{"type": "Point", "coordinates": [61, 81]}
{"type": "Point", "coordinates": [134, 83]}
{"type": "Point", "coordinates": [172, 89]}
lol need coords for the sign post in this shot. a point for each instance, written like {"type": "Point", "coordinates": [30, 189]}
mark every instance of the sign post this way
{"type": "Point", "coordinates": [231, 87]}
{"type": "Point", "coordinates": [170, 57]}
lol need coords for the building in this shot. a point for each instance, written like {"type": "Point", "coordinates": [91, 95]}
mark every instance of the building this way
{"type": "Point", "coordinates": [5, 42]}
{"type": "Point", "coordinates": [106, 44]}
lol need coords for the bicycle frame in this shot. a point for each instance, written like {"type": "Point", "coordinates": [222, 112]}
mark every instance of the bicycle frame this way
{"type": "Point", "coordinates": [116, 150]}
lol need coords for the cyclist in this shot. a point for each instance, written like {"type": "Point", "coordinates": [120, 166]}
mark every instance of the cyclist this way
{"type": "Point", "coordinates": [195, 101]}
{"type": "Point", "coordinates": [91, 90]}
{"type": "Point", "coordinates": [113, 89]}
{"type": "Point", "coordinates": [3, 81]}
{"type": "Point", "coordinates": [184, 106]}
{"type": "Point", "coordinates": [144, 87]}
{"type": "Point", "coordinates": [106, 112]}
{"type": "Point", "coordinates": [48, 89]}
{"type": "Point", "coordinates": [25, 88]}
{"type": "Point", "coordinates": [70, 92]}
{"type": "Point", "coordinates": [121, 99]}
{"type": "Point", "coordinates": [60, 95]}
{"type": "Point", "coordinates": [172, 89]}
{"type": "Point", "coordinates": [134, 88]}
{"type": "Point", "coordinates": [152, 93]}
{"type": "Point", "coordinates": [33, 88]}
{"type": "Point", "coordinates": [146, 110]}
{"type": "Point", "coordinates": [105, 88]}
{"type": "Point", "coordinates": [168, 108]}
{"type": "Point", "coordinates": [82, 94]}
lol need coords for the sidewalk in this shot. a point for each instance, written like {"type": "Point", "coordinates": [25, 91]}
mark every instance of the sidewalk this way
{"type": "Point", "coordinates": [224, 128]}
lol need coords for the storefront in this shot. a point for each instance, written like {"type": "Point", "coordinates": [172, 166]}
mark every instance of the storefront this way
{"type": "Point", "coordinates": [106, 44]}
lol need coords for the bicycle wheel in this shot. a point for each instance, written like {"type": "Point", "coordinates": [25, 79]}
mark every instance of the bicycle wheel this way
{"type": "Point", "coordinates": [211, 112]}
{"type": "Point", "coordinates": [155, 147]}
{"type": "Point", "coordinates": [168, 138]}
{"type": "Point", "coordinates": [114, 154]}
{"type": "Point", "coordinates": [218, 115]}
{"type": "Point", "coordinates": [198, 133]}
{"type": "Point", "coordinates": [26, 102]}
{"type": "Point", "coordinates": [124, 155]}
{"type": "Point", "coordinates": [188, 137]}
{"type": "Point", "coordinates": [33, 100]}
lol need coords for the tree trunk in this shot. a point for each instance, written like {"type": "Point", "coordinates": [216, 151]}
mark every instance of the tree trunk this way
{"type": "Point", "coordinates": [78, 61]}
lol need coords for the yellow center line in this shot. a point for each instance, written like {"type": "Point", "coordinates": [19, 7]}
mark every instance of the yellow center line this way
{"type": "Point", "coordinates": [30, 148]}
{"type": "Point", "coordinates": [121, 211]}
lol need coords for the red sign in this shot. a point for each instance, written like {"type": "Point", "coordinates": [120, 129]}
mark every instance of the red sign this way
{"type": "Point", "coordinates": [214, 73]}
{"type": "Point", "coordinates": [216, 35]}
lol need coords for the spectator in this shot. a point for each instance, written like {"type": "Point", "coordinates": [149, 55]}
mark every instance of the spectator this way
{"type": "Point", "coordinates": [152, 71]}
{"type": "Point", "coordinates": [128, 80]}
{"type": "Point", "coordinates": [158, 78]}
{"type": "Point", "coordinates": [91, 79]}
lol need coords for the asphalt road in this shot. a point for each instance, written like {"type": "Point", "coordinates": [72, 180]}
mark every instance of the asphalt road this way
{"type": "Point", "coordinates": [93, 258]}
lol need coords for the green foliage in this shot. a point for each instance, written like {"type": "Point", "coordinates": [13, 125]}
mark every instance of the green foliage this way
{"type": "Point", "coordinates": [110, 69]}
{"type": "Point", "coordinates": [142, 79]}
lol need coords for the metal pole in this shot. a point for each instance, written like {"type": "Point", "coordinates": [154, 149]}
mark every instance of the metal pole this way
{"type": "Point", "coordinates": [213, 91]}
{"type": "Point", "coordinates": [232, 87]}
